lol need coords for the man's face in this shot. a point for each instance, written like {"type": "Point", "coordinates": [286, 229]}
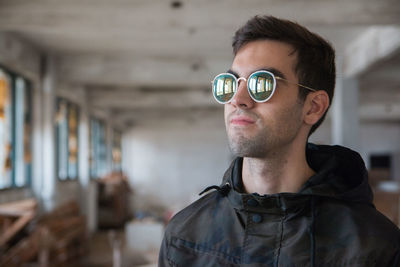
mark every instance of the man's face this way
{"type": "Point", "coordinates": [258, 129]}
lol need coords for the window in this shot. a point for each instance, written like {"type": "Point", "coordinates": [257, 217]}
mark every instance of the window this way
{"type": "Point", "coordinates": [117, 151]}
{"type": "Point", "coordinates": [98, 149]}
{"type": "Point", "coordinates": [5, 130]}
{"type": "Point", "coordinates": [73, 121]}
{"type": "Point", "coordinates": [22, 133]}
{"type": "Point", "coordinates": [67, 119]}
{"type": "Point", "coordinates": [15, 130]}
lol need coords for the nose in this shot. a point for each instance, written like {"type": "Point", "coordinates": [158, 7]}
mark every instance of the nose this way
{"type": "Point", "coordinates": [242, 98]}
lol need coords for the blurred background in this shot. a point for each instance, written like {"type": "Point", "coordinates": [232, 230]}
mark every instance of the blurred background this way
{"type": "Point", "coordinates": [108, 126]}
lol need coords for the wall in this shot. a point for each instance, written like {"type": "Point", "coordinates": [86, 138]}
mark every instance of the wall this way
{"type": "Point", "coordinates": [25, 59]}
{"type": "Point", "coordinates": [322, 135]}
{"type": "Point", "coordinates": [8, 195]}
{"type": "Point", "coordinates": [170, 162]}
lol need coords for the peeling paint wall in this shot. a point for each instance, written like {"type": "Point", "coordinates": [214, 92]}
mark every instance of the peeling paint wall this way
{"type": "Point", "coordinates": [170, 162]}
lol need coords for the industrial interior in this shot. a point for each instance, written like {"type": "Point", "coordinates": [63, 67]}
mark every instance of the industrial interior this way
{"type": "Point", "coordinates": [108, 126]}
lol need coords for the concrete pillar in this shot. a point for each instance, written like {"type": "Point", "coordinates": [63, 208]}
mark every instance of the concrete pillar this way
{"type": "Point", "coordinates": [88, 188]}
{"type": "Point", "coordinates": [48, 187]}
{"type": "Point", "coordinates": [37, 148]}
{"type": "Point", "coordinates": [345, 117]}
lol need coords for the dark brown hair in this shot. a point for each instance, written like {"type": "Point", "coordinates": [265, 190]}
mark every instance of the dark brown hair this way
{"type": "Point", "coordinates": [315, 65]}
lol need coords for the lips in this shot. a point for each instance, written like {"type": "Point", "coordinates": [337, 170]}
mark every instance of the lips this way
{"type": "Point", "coordinates": [241, 120]}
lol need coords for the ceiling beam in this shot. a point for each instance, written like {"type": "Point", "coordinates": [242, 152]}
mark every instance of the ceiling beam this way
{"type": "Point", "coordinates": [374, 45]}
{"type": "Point", "coordinates": [100, 15]}
{"type": "Point", "coordinates": [129, 99]}
{"type": "Point", "coordinates": [139, 71]}
{"type": "Point", "coordinates": [161, 114]}
{"type": "Point", "coordinates": [19, 56]}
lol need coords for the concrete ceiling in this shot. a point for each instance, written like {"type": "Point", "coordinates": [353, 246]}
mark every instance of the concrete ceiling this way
{"type": "Point", "coordinates": [137, 56]}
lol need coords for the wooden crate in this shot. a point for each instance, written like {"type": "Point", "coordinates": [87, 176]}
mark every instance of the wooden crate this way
{"type": "Point", "coordinates": [54, 239]}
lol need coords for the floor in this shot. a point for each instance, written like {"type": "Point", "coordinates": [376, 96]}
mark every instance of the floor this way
{"type": "Point", "coordinates": [100, 252]}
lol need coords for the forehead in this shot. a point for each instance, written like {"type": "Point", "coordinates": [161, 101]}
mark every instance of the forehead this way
{"type": "Point", "coordinates": [265, 54]}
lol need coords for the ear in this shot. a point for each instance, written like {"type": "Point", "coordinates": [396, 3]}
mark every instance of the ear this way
{"type": "Point", "coordinates": [315, 105]}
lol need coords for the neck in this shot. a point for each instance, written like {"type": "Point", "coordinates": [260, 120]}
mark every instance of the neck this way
{"type": "Point", "coordinates": [285, 170]}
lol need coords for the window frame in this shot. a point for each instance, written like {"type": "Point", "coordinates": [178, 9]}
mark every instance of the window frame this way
{"type": "Point", "coordinates": [116, 144]}
{"type": "Point", "coordinates": [27, 120]}
{"type": "Point", "coordinates": [97, 148]}
{"type": "Point", "coordinates": [68, 104]}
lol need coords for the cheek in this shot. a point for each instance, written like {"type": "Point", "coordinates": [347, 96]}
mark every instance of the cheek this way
{"type": "Point", "coordinates": [227, 111]}
{"type": "Point", "coordinates": [280, 117]}
{"type": "Point", "coordinates": [290, 119]}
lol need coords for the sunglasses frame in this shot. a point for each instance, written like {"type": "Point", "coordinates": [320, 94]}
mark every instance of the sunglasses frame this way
{"type": "Point", "coordinates": [274, 77]}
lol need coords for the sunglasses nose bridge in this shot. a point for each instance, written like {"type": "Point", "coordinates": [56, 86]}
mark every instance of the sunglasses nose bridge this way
{"type": "Point", "coordinates": [241, 78]}
{"type": "Point", "coordinates": [242, 97]}
{"type": "Point", "coordinates": [240, 83]}
{"type": "Point", "coordinates": [244, 81]}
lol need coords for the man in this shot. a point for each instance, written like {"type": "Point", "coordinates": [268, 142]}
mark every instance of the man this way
{"type": "Point", "coordinates": [282, 202]}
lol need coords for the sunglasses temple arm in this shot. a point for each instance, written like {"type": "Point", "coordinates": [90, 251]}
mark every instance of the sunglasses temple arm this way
{"type": "Point", "coordinates": [306, 87]}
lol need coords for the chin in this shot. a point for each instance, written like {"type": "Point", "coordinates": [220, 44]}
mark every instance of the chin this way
{"type": "Point", "coordinates": [248, 150]}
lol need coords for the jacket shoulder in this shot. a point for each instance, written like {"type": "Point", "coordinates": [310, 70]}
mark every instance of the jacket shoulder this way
{"type": "Point", "coordinates": [381, 225]}
{"type": "Point", "coordinates": [362, 221]}
{"type": "Point", "coordinates": [192, 214]}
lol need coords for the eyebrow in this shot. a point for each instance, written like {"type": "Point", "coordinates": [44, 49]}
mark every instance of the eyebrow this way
{"type": "Point", "coordinates": [273, 70]}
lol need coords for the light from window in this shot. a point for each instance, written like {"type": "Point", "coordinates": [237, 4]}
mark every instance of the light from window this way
{"type": "Point", "coordinates": [15, 130]}
{"type": "Point", "coordinates": [67, 139]}
{"type": "Point", "coordinates": [5, 130]}
{"type": "Point", "coordinates": [117, 151]}
{"type": "Point", "coordinates": [98, 149]}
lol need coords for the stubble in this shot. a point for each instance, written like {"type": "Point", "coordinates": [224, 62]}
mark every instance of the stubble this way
{"type": "Point", "coordinates": [269, 137]}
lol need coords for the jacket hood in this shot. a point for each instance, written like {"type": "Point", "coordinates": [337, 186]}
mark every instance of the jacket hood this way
{"type": "Point", "coordinates": [340, 174]}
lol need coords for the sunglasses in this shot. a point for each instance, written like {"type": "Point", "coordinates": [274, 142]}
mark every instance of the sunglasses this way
{"type": "Point", "coordinates": [260, 85]}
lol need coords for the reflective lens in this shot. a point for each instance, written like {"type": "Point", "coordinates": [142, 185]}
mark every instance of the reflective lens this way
{"type": "Point", "coordinates": [224, 87]}
{"type": "Point", "coordinates": [261, 85]}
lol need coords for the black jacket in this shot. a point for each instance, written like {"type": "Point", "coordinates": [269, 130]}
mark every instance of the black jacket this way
{"type": "Point", "coordinates": [331, 221]}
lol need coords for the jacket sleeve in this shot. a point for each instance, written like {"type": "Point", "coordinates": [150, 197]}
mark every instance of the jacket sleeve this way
{"type": "Point", "coordinates": [395, 261]}
{"type": "Point", "coordinates": [162, 257]}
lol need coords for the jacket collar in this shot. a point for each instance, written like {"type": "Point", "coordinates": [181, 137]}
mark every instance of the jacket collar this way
{"type": "Point", "coordinates": [340, 174]}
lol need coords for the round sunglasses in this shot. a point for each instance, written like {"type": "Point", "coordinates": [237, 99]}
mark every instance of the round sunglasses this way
{"type": "Point", "coordinates": [261, 86]}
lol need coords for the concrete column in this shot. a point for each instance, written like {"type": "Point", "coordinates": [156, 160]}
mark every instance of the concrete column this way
{"type": "Point", "coordinates": [37, 137]}
{"type": "Point", "coordinates": [345, 117]}
{"type": "Point", "coordinates": [88, 188]}
{"type": "Point", "coordinates": [48, 187]}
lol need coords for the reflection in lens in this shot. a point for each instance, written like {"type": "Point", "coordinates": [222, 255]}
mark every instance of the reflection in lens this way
{"type": "Point", "coordinates": [252, 85]}
{"type": "Point", "coordinates": [224, 87]}
{"type": "Point", "coordinates": [220, 90]}
{"type": "Point", "coordinates": [261, 85]}
{"type": "Point", "coordinates": [228, 86]}
{"type": "Point", "coordinates": [269, 85]}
